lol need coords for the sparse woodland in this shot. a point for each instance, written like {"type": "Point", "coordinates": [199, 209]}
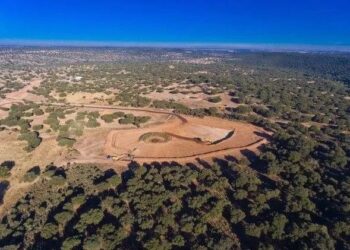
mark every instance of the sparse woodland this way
{"type": "Point", "coordinates": [294, 195]}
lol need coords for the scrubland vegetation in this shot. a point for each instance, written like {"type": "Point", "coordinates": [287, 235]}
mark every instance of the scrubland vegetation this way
{"type": "Point", "coordinates": [295, 194]}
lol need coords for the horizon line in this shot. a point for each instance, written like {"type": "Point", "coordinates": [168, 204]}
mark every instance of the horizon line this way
{"type": "Point", "coordinates": [188, 45]}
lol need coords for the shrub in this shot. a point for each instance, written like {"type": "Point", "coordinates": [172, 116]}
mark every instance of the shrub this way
{"type": "Point", "coordinates": [53, 122]}
{"type": "Point", "coordinates": [23, 124]}
{"type": "Point", "coordinates": [66, 141]}
{"type": "Point", "coordinates": [63, 217]}
{"type": "Point", "coordinates": [80, 116]}
{"type": "Point", "coordinates": [32, 174]}
{"type": "Point", "coordinates": [38, 112]}
{"type": "Point", "coordinates": [118, 114]}
{"type": "Point", "coordinates": [92, 123]}
{"type": "Point", "coordinates": [71, 243]}
{"type": "Point", "coordinates": [110, 117]}
{"type": "Point", "coordinates": [212, 111]}
{"type": "Point", "coordinates": [91, 217]}
{"type": "Point", "coordinates": [38, 127]}
{"type": "Point", "coordinates": [178, 107]}
{"type": "Point", "coordinates": [50, 170]}
{"type": "Point", "coordinates": [49, 230]}
{"type": "Point", "coordinates": [58, 180]}
{"type": "Point", "coordinates": [141, 119]}
{"type": "Point", "coordinates": [107, 118]}
{"type": "Point", "coordinates": [128, 119]}
{"type": "Point", "coordinates": [32, 139]}
{"type": "Point", "coordinates": [5, 168]}
{"type": "Point", "coordinates": [214, 99]}
{"type": "Point", "coordinates": [93, 115]}
{"type": "Point", "coordinates": [243, 109]}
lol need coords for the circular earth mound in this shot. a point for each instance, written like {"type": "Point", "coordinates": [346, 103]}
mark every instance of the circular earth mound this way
{"type": "Point", "coordinates": [155, 137]}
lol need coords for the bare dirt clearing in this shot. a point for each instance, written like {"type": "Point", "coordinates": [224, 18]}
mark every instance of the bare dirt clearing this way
{"type": "Point", "coordinates": [187, 140]}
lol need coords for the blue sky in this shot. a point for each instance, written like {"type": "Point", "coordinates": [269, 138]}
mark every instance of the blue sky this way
{"type": "Point", "coordinates": [320, 22]}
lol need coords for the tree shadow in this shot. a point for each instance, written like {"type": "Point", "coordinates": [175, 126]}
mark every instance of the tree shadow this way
{"type": "Point", "coordinates": [250, 155]}
{"type": "Point", "coordinates": [4, 185]}
{"type": "Point", "coordinates": [203, 163]}
{"type": "Point", "coordinates": [231, 159]}
{"type": "Point", "coordinates": [35, 170]}
{"type": "Point", "coordinates": [235, 100]}
{"type": "Point", "coordinates": [263, 135]}
{"type": "Point", "coordinates": [192, 166]}
{"type": "Point", "coordinates": [8, 164]}
{"type": "Point", "coordinates": [129, 173]}
{"type": "Point", "coordinates": [226, 168]}
{"type": "Point", "coordinates": [229, 109]}
{"type": "Point", "coordinates": [106, 175]}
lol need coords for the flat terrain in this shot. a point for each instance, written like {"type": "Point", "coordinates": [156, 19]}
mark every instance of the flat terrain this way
{"type": "Point", "coordinates": [183, 145]}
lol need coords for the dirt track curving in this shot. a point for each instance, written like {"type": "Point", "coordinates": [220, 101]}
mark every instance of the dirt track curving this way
{"type": "Point", "coordinates": [188, 136]}
{"type": "Point", "coordinates": [124, 144]}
